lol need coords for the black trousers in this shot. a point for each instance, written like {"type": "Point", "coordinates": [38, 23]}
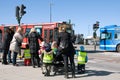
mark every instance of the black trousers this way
{"type": "Point", "coordinates": [69, 58]}
{"type": "Point", "coordinates": [4, 57]}
{"type": "Point", "coordinates": [35, 59]}
{"type": "Point", "coordinates": [81, 68]}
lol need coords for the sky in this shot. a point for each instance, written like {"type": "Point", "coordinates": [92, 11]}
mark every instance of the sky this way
{"type": "Point", "coordinates": [82, 13]}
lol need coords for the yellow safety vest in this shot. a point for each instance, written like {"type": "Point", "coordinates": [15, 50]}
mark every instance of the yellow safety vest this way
{"type": "Point", "coordinates": [47, 58]}
{"type": "Point", "coordinates": [27, 54]}
{"type": "Point", "coordinates": [81, 57]}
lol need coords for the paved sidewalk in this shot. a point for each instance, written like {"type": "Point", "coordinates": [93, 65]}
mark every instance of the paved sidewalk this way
{"type": "Point", "coordinates": [28, 73]}
{"type": "Point", "coordinates": [10, 72]}
{"type": "Point", "coordinates": [112, 54]}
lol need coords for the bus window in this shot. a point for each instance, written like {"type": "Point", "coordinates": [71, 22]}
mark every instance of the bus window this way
{"type": "Point", "coordinates": [5, 29]}
{"type": "Point", "coordinates": [27, 32]}
{"type": "Point", "coordinates": [102, 36]}
{"type": "Point", "coordinates": [45, 35]}
{"type": "Point", "coordinates": [55, 33]}
{"type": "Point", "coordinates": [108, 36]}
{"type": "Point", "coordinates": [39, 30]}
{"type": "Point", "coordinates": [51, 36]}
{"type": "Point", "coordinates": [117, 36]}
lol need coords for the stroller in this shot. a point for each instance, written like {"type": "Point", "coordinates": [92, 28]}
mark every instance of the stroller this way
{"type": "Point", "coordinates": [58, 63]}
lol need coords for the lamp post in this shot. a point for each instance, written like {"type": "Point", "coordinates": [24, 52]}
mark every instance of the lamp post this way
{"type": "Point", "coordinates": [95, 28]}
{"type": "Point", "coordinates": [51, 12]}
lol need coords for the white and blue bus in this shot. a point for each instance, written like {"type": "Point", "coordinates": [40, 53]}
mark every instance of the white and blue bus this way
{"type": "Point", "coordinates": [110, 38]}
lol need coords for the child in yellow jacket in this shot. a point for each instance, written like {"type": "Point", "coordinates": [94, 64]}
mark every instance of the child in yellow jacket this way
{"type": "Point", "coordinates": [82, 60]}
{"type": "Point", "coordinates": [27, 56]}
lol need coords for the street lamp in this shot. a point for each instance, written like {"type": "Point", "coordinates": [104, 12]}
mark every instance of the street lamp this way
{"type": "Point", "coordinates": [51, 12]}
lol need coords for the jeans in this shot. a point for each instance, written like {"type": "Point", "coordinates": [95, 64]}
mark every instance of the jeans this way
{"type": "Point", "coordinates": [14, 57]}
{"type": "Point", "coordinates": [9, 56]}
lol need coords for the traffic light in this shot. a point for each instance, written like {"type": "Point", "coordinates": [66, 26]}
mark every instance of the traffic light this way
{"type": "Point", "coordinates": [17, 11]}
{"type": "Point", "coordinates": [96, 26]}
{"type": "Point", "coordinates": [22, 12]}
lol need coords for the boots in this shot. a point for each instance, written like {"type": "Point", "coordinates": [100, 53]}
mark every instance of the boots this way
{"type": "Point", "coordinates": [73, 75]}
{"type": "Point", "coordinates": [66, 75]}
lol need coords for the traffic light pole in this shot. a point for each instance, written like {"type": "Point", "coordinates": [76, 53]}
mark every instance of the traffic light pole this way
{"type": "Point", "coordinates": [95, 28]}
{"type": "Point", "coordinates": [95, 41]}
{"type": "Point", "coordinates": [19, 21]}
{"type": "Point", "coordinates": [19, 13]}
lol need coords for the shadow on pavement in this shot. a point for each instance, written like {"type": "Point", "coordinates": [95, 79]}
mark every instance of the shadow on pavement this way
{"type": "Point", "coordinates": [92, 51]}
{"type": "Point", "coordinates": [94, 73]}
{"type": "Point", "coordinates": [98, 51]}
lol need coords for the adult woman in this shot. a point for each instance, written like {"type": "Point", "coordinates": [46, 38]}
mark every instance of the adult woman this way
{"type": "Point", "coordinates": [34, 46]}
{"type": "Point", "coordinates": [66, 48]}
{"type": "Point", "coordinates": [15, 44]}
{"type": "Point", "coordinates": [6, 44]}
{"type": "Point", "coordinates": [11, 36]}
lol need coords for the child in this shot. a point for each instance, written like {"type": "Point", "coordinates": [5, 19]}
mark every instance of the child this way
{"type": "Point", "coordinates": [27, 56]}
{"type": "Point", "coordinates": [58, 59]}
{"type": "Point", "coordinates": [81, 56]}
{"type": "Point", "coordinates": [47, 59]}
{"type": "Point", "coordinates": [57, 54]}
{"type": "Point", "coordinates": [42, 48]}
{"type": "Point", "coordinates": [54, 47]}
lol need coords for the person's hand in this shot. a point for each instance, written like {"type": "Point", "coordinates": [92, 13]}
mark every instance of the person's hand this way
{"type": "Point", "coordinates": [20, 57]}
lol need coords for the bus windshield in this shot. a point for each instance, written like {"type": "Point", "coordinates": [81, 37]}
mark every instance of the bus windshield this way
{"type": "Point", "coordinates": [105, 36]}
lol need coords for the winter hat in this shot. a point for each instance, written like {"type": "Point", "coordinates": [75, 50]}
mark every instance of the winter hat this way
{"type": "Point", "coordinates": [82, 48]}
{"type": "Point", "coordinates": [47, 47]}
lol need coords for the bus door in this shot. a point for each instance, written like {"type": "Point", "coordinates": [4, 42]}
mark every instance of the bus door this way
{"type": "Point", "coordinates": [105, 40]}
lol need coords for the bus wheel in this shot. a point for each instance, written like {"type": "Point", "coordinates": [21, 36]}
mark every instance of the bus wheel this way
{"type": "Point", "coordinates": [118, 48]}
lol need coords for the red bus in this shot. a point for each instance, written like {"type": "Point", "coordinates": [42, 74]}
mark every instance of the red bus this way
{"type": "Point", "coordinates": [48, 31]}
